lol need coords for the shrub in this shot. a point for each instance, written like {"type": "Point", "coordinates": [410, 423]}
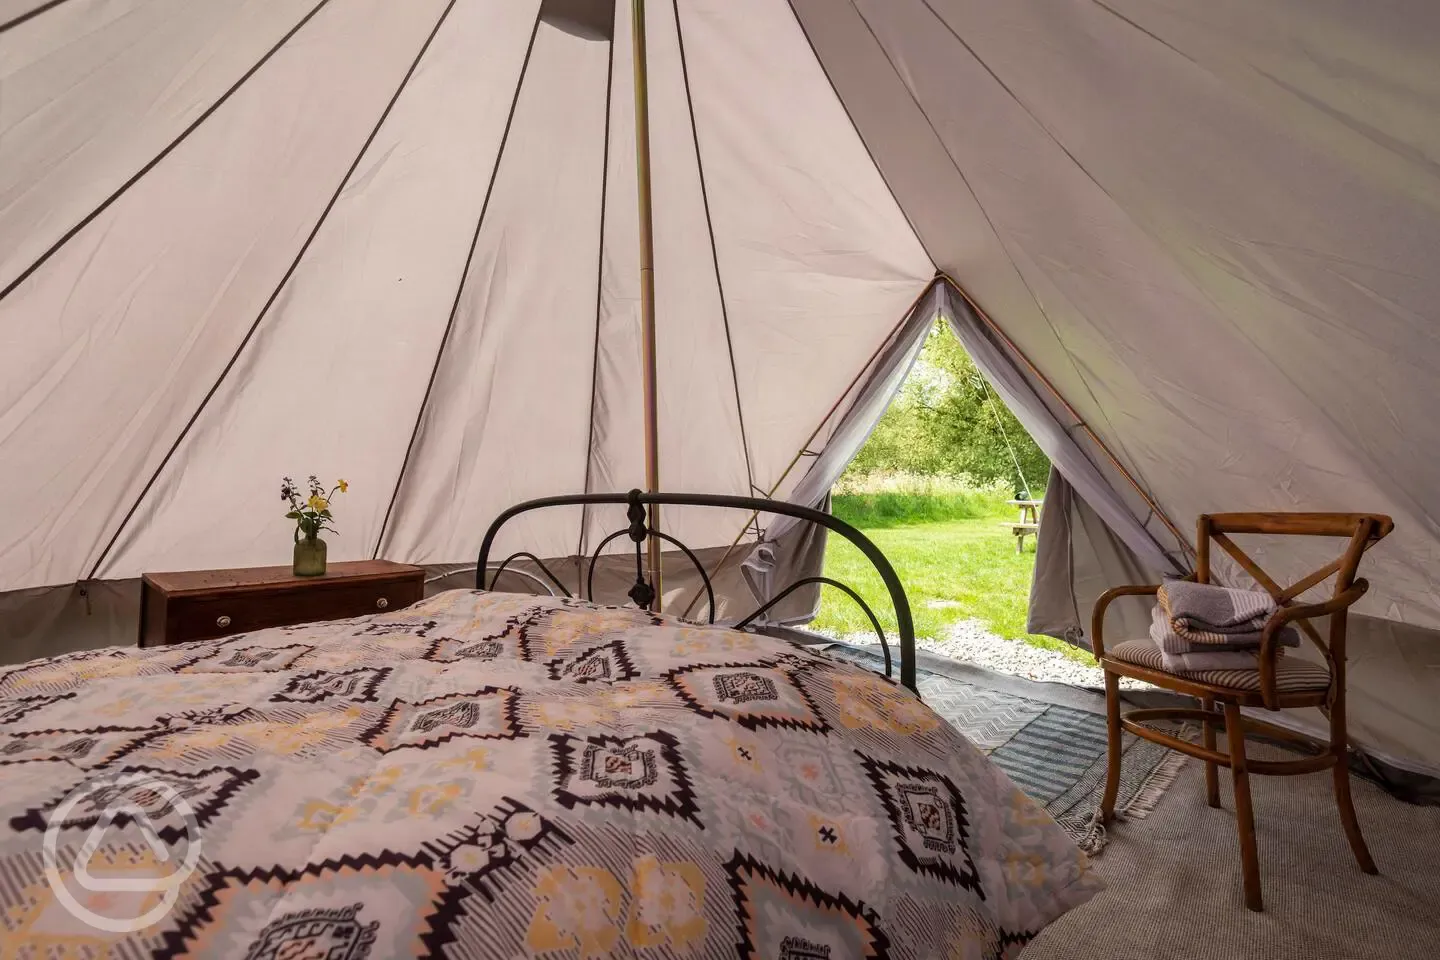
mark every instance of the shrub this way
{"type": "Point", "coordinates": [946, 419]}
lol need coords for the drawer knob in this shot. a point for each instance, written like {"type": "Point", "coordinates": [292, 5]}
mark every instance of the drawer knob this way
{"type": "Point", "coordinates": [222, 622]}
{"type": "Point", "coordinates": [382, 603]}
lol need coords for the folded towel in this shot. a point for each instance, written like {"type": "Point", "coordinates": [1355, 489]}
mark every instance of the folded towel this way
{"type": "Point", "coordinates": [1180, 656]}
{"type": "Point", "coordinates": [1201, 662]}
{"type": "Point", "coordinates": [1205, 616]}
{"type": "Point", "coordinates": [1213, 608]}
{"type": "Point", "coordinates": [1222, 659]}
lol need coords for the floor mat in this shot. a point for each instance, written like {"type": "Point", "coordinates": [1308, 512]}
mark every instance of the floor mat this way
{"type": "Point", "coordinates": [1055, 753]}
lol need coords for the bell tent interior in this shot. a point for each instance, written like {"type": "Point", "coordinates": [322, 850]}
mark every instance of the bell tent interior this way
{"type": "Point", "coordinates": [1188, 245]}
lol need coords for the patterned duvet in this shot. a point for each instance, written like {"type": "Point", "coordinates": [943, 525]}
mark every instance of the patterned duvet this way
{"type": "Point", "coordinates": [490, 775]}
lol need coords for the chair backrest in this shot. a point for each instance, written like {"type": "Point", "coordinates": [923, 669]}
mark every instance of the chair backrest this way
{"type": "Point", "coordinates": [1363, 530]}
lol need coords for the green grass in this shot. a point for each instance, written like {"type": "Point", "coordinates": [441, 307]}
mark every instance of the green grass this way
{"type": "Point", "coordinates": [969, 561]}
{"type": "Point", "coordinates": [869, 511]}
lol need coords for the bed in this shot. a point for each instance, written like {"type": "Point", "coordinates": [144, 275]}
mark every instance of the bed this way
{"type": "Point", "coordinates": [503, 775]}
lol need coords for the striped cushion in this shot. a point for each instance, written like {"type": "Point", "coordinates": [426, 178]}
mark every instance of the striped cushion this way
{"type": "Point", "coordinates": [1292, 675]}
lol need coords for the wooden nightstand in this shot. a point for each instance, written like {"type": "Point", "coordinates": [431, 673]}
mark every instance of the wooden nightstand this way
{"type": "Point", "coordinates": [200, 604]}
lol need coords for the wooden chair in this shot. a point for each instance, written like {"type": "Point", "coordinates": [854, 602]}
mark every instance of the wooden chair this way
{"type": "Point", "coordinates": [1276, 685]}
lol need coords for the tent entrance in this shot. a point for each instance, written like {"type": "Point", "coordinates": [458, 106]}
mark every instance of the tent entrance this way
{"type": "Point", "coordinates": [949, 484]}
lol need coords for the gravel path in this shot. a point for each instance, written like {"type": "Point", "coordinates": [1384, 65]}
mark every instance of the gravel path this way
{"type": "Point", "coordinates": [970, 642]}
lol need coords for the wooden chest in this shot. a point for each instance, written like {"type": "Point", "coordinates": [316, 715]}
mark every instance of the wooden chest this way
{"type": "Point", "coordinates": [200, 604]}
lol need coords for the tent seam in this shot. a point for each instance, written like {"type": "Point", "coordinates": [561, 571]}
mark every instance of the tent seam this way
{"type": "Point", "coordinates": [854, 383]}
{"type": "Point", "coordinates": [714, 250]}
{"type": "Point", "coordinates": [990, 222]}
{"type": "Point", "coordinates": [153, 163]}
{"type": "Point", "coordinates": [460, 288]}
{"type": "Point", "coordinates": [30, 14]}
{"type": "Point", "coordinates": [1036, 120]}
{"type": "Point", "coordinates": [856, 127]}
{"type": "Point", "coordinates": [963, 179]}
{"type": "Point", "coordinates": [1143, 230]}
{"type": "Point", "coordinates": [275, 294]}
{"type": "Point", "coordinates": [1013, 352]}
{"type": "Point", "coordinates": [1180, 266]}
{"type": "Point", "coordinates": [970, 189]}
{"type": "Point", "coordinates": [1153, 36]}
{"type": "Point", "coordinates": [599, 299]}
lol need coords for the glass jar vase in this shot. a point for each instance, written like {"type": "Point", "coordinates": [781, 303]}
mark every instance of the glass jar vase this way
{"type": "Point", "coordinates": [309, 557]}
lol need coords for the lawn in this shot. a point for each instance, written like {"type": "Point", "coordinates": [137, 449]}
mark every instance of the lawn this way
{"type": "Point", "coordinates": [955, 556]}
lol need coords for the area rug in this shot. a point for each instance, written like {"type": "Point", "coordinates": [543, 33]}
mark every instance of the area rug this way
{"type": "Point", "coordinates": [1055, 753]}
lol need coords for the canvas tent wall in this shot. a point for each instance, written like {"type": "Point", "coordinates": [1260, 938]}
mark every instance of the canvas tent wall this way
{"type": "Point", "coordinates": [396, 242]}
{"type": "Point", "coordinates": [382, 241]}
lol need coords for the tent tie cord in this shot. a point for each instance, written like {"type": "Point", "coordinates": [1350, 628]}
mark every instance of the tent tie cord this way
{"type": "Point", "coordinates": [999, 422]}
{"type": "Point", "coordinates": [941, 277]}
{"type": "Point", "coordinates": [1186, 547]}
{"type": "Point", "coordinates": [643, 594]}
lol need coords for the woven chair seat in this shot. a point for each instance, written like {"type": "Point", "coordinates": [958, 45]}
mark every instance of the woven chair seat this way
{"type": "Point", "coordinates": [1292, 675]}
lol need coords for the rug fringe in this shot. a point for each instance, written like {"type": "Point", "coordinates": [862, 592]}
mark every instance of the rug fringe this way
{"type": "Point", "coordinates": [1094, 837]}
{"type": "Point", "coordinates": [1159, 780]}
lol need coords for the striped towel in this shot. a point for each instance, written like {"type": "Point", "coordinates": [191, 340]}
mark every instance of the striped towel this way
{"type": "Point", "coordinates": [1181, 661]}
{"type": "Point", "coordinates": [1204, 616]}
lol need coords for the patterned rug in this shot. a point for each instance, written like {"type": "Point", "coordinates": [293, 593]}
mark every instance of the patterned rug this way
{"type": "Point", "coordinates": [1055, 753]}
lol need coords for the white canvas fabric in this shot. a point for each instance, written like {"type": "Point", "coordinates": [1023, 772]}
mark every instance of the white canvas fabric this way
{"type": "Point", "coordinates": [392, 248]}
{"type": "Point", "coordinates": [94, 91]}
{"type": "Point", "coordinates": [1208, 228]}
{"type": "Point", "coordinates": [113, 343]}
{"type": "Point", "coordinates": [397, 242]}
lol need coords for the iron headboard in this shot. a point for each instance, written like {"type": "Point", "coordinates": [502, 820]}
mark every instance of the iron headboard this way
{"type": "Point", "coordinates": [643, 593]}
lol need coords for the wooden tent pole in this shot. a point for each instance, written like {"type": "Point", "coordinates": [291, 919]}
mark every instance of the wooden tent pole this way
{"type": "Point", "coordinates": [647, 286]}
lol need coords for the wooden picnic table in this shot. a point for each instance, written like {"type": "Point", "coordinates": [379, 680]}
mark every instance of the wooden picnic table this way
{"type": "Point", "coordinates": [1028, 523]}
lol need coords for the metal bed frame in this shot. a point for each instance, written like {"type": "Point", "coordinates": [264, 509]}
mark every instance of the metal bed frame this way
{"type": "Point", "coordinates": [642, 592]}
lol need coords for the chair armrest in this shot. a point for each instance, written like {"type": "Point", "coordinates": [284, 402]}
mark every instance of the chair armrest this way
{"type": "Point", "coordinates": [1269, 636]}
{"type": "Point", "coordinates": [1097, 619]}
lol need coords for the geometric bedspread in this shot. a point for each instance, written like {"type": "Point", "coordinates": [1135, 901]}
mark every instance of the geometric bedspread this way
{"type": "Point", "coordinates": [497, 775]}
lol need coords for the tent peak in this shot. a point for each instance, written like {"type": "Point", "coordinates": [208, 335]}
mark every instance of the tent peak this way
{"type": "Point", "coordinates": [586, 19]}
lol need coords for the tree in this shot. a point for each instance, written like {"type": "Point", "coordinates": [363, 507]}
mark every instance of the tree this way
{"type": "Point", "coordinates": [947, 420]}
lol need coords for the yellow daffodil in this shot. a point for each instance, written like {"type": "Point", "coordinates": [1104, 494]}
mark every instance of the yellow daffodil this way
{"type": "Point", "coordinates": [318, 503]}
{"type": "Point", "coordinates": [344, 487]}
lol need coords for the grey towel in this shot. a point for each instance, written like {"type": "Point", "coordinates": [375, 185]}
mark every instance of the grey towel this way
{"type": "Point", "coordinates": [1206, 616]}
{"type": "Point", "coordinates": [1209, 658]}
{"type": "Point", "coordinates": [1214, 609]}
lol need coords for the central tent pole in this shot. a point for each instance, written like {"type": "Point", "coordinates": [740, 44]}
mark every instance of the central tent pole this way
{"type": "Point", "coordinates": [647, 287]}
